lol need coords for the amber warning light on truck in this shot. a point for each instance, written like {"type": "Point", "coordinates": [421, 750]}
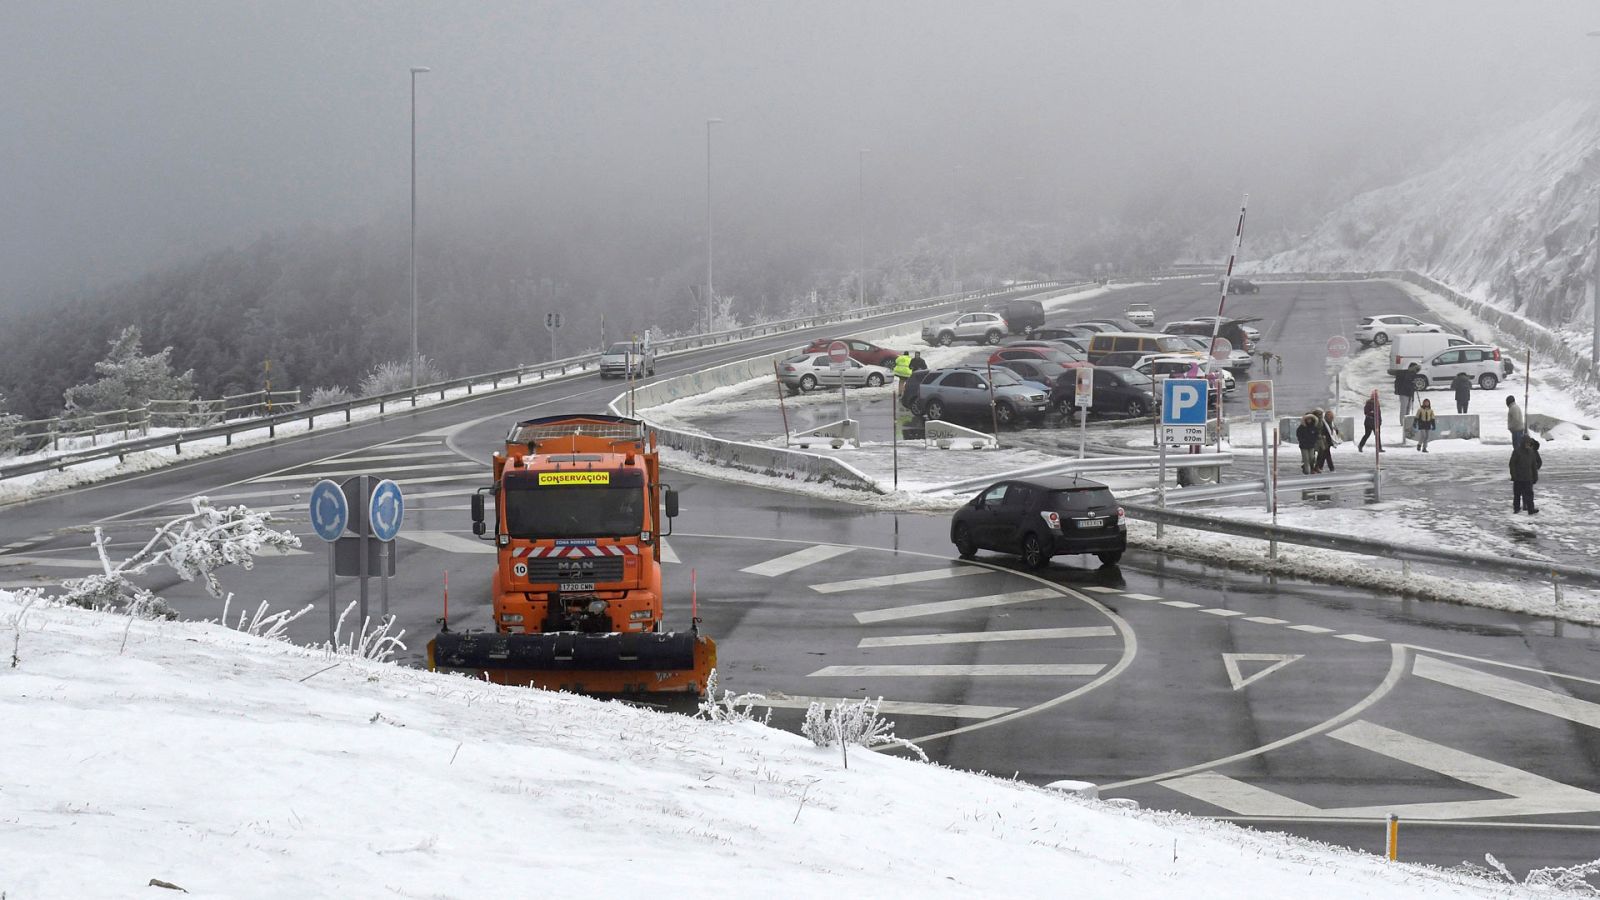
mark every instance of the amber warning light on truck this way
{"type": "Point", "coordinates": [546, 478]}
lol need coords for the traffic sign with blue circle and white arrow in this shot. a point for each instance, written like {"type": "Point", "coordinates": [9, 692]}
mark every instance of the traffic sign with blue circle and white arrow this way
{"type": "Point", "coordinates": [329, 511]}
{"type": "Point", "coordinates": [386, 510]}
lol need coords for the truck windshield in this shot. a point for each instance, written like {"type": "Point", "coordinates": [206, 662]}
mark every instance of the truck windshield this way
{"type": "Point", "coordinates": [613, 507]}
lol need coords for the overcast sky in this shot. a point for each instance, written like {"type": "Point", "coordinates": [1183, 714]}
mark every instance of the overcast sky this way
{"type": "Point", "coordinates": [139, 133]}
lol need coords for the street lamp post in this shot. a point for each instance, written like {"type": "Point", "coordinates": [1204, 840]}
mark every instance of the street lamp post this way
{"type": "Point", "coordinates": [414, 71]}
{"type": "Point", "coordinates": [861, 208]}
{"type": "Point", "coordinates": [710, 291]}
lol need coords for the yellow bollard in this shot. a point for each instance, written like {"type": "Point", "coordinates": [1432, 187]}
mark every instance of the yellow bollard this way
{"type": "Point", "coordinates": [1394, 837]}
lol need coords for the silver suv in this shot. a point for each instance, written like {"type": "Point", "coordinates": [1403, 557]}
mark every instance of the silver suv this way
{"type": "Point", "coordinates": [965, 393]}
{"type": "Point", "coordinates": [983, 327]}
{"type": "Point", "coordinates": [627, 359]}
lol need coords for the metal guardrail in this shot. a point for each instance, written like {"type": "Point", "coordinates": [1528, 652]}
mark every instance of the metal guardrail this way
{"type": "Point", "coordinates": [1279, 534]}
{"type": "Point", "coordinates": [1099, 464]}
{"type": "Point", "coordinates": [552, 369]}
{"type": "Point", "coordinates": [1287, 484]}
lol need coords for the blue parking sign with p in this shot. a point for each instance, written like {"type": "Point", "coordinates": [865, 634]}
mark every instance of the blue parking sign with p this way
{"type": "Point", "coordinates": [1184, 401]}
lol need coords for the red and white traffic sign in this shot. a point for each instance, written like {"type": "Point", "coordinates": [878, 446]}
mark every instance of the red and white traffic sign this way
{"type": "Point", "coordinates": [1338, 347]}
{"type": "Point", "coordinates": [839, 353]}
{"type": "Point", "coordinates": [1220, 348]}
{"type": "Point", "coordinates": [1260, 394]}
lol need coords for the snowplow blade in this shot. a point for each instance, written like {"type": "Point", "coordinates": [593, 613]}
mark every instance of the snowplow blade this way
{"type": "Point", "coordinates": [627, 666]}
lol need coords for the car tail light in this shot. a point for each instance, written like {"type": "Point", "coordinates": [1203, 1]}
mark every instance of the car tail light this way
{"type": "Point", "coordinates": [1497, 354]}
{"type": "Point", "coordinates": [1053, 519]}
{"type": "Point", "coordinates": [788, 368]}
{"type": "Point", "coordinates": [1122, 517]}
{"type": "Point", "coordinates": [1397, 359]}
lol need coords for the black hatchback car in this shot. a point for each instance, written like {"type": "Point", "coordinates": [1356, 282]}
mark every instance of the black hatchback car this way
{"type": "Point", "coordinates": [1038, 518]}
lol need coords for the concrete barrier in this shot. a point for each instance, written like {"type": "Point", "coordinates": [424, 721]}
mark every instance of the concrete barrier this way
{"type": "Point", "coordinates": [1345, 424]}
{"type": "Point", "coordinates": [1450, 427]}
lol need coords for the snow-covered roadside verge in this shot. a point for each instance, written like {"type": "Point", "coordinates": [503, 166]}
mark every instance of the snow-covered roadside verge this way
{"type": "Point", "coordinates": [149, 752]}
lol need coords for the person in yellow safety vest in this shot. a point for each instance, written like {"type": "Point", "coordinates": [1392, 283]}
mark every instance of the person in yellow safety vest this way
{"type": "Point", "coordinates": [902, 369]}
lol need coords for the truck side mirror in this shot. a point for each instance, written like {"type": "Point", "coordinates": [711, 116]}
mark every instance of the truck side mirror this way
{"type": "Point", "coordinates": [672, 503]}
{"type": "Point", "coordinates": [477, 515]}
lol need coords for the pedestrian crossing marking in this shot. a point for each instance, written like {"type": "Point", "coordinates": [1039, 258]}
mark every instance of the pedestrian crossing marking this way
{"type": "Point", "coordinates": [1141, 597]}
{"type": "Point", "coordinates": [1180, 604]}
{"type": "Point", "coordinates": [1311, 629]}
{"type": "Point", "coordinates": [449, 543]}
{"type": "Point", "coordinates": [980, 637]}
{"type": "Point", "coordinates": [1217, 611]}
{"type": "Point", "coordinates": [892, 707]}
{"type": "Point", "coordinates": [1068, 670]}
{"type": "Point", "coordinates": [855, 584]}
{"type": "Point", "coordinates": [940, 607]}
{"type": "Point", "coordinates": [56, 562]}
{"type": "Point", "coordinates": [1508, 690]}
{"type": "Point", "coordinates": [1099, 589]}
{"type": "Point", "coordinates": [799, 559]}
{"type": "Point", "coordinates": [1266, 620]}
{"type": "Point", "coordinates": [1358, 638]}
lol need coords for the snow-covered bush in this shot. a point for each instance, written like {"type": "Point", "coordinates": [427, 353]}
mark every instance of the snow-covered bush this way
{"type": "Point", "coordinates": [9, 443]}
{"type": "Point", "coordinates": [332, 396]}
{"type": "Point", "coordinates": [729, 707]}
{"type": "Point", "coordinates": [853, 722]}
{"type": "Point", "coordinates": [1566, 879]}
{"type": "Point", "coordinates": [192, 546]}
{"type": "Point", "coordinates": [373, 641]}
{"type": "Point", "coordinates": [272, 626]}
{"type": "Point", "coordinates": [395, 375]}
{"type": "Point", "coordinates": [129, 380]}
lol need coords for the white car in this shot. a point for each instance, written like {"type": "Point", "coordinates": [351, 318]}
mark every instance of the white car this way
{"type": "Point", "coordinates": [1140, 314]}
{"type": "Point", "coordinates": [1480, 361]}
{"type": "Point", "coordinates": [810, 371]}
{"type": "Point", "coordinates": [1381, 330]}
{"type": "Point", "coordinates": [1237, 361]}
{"type": "Point", "coordinates": [1177, 366]}
{"type": "Point", "coordinates": [626, 359]}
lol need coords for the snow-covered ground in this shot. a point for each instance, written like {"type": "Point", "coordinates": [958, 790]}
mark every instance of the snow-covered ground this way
{"type": "Point", "coordinates": [154, 753]}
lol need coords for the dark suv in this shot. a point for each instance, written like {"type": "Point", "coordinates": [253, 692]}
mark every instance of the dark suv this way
{"type": "Point", "coordinates": [1038, 518]}
{"type": "Point", "coordinates": [1117, 392]}
{"type": "Point", "coordinates": [965, 393]}
{"type": "Point", "coordinates": [1022, 316]}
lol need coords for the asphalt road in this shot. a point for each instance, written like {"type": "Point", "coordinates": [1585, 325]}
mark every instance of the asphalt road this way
{"type": "Point", "coordinates": [1297, 707]}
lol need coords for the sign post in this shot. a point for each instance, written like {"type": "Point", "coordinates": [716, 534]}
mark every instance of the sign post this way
{"type": "Point", "coordinates": [1338, 355]}
{"type": "Point", "coordinates": [385, 511]}
{"type": "Point", "coordinates": [839, 361]}
{"type": "Point", "coordinates": [1261, 409]}
{"type": "Point", "coordinates": [329, 515]}
{"type": "Point", "coordinates": [1183, 418]}
{"type": "Point", "coordinates": [1221, 347]}
{"type": "Point", "coordinates": [1083, 398]}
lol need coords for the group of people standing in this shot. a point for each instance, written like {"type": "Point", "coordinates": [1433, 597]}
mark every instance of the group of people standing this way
{"type": "Point", "coordinates": [1317, 435]}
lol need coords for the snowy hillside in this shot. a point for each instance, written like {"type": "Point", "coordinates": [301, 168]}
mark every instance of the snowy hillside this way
{"type": "Point", "coordinates": [1510, 220]}
{"type": "Point", "coordinates": [140, 752]}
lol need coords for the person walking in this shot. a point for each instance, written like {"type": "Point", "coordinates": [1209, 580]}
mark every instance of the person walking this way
{"type": "Point", "coordinates": [917, 362]}
{"type": "Point", "coordinates": [1516, 422]}
{"type": "Point", "coordinates": [1327, 438]}
{"type": "Point", "coordinates": [1405, 388]}
{"type": "Point", "coordinates": [1426, 422]}
{"type": "Point", "coordinates": [1525, 465]}
{"type": "Point", "coordinates": [1462, 385]}
{"type": "Point", "coordinates": [902, 371]}
{"type": "Point", "coordinates": [1306, 436]}
{"type": "Point", "coordinates": [1369, 422]}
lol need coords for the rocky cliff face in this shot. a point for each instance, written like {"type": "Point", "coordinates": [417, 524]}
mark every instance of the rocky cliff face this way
{"type": "Point", "coordinates": [1511, 220]}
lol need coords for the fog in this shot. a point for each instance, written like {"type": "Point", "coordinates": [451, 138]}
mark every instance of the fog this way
{"type": "Point", "coordinates": [137, 134]}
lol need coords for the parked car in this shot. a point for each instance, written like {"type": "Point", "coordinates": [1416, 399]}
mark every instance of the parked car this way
{"type": "Point", "coordinates": [1120, 359]}
{"type": "Point", "coordinates": [809, 371]}
{"type": "Point", "coordinates": [1140, 314]}
{"type": "Point", "coordinates": [983, 327]}
{"type": "Point", "coordinates": [1238, 361]}
{"type": "Point", "coordinates": [1063, 332]}
{"type": "Point", "coordinates": [1241, 286]}
{"type": "Point", "coordinates": [627, 359]}
{"type": "Point", "coordinates": [1093, 328]}
{"type": "Point", "coordinates": [965, 392]}
{"type": "Point", "coordinates": [1057, 354]}
{"type": "Point", "coordinates": [1063, 346]}
{"type": "Point", "coordinates": [1381, 330]}
{"type": "Point", "coordinates": [1481, 361]}
{"type": "Point", "coordinates": [1419, 346]}
{"type": "Point", "coordinates": [1117, 392]}
{"type": "Point", "coordinates": [1178, 367]}
{"type": "Point", "coordinates": [1142, 341]}
{"type": "Point", "coordinates": [1114, 324]}
{"type": "Point", "coordinates": [1022, 316]}
{"type": "Point", "coordinates": [866, 353]}
{"type": "Point", "coordinates": [1040, 371]}
{"type": "Point", "coordinates": [912, 390]}
{"type": "Point", "coordinates": [1238, 331]}
{"type": "Point", "coordinates": [1038, 518]}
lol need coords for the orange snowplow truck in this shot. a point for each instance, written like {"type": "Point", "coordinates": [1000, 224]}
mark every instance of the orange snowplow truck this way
{"type": "Point", "coordinates": [577, 584]}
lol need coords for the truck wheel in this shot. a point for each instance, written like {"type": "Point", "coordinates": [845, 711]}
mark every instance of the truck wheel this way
{"type": "Point", "coordinates": [808, 382]}
{"type": "Point", "coordinates": [1487, 381]}
{"type": "Point", "coordinates": [993, 337]}
{"type": "Point", "coordinates": [946, 338]}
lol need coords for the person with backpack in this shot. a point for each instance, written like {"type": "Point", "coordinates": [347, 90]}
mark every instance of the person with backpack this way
{"type": "Point", "coordinates": [1462, 385]}
{"type": "Point", "coordinates": [1425, 423]}
{"type": "Point", "coordinates": [1525, 465]}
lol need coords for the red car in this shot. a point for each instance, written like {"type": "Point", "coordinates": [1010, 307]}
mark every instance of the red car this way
{"type": "Point", "coordinates": [860, 351]}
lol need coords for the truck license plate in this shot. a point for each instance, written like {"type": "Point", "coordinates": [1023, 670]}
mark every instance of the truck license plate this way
{"type": "Point", "coordinates": [577, 586]}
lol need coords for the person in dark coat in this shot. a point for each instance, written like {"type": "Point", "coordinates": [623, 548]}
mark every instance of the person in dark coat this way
{"type": "Point", "coordinates": [1525, 465]}
{"type": "Point", "coordinates": [1306, 436]}
{"type": "Point", "coordinates": [1462, 385]}
{"type": "Point", "coordinates": [917, 362]}
{"type": "Point", "coordinates": [1369, 421]}
{"type": "Point", "coordinates": [1327, 438]}
{"type": "Point", "coordinates": [1405, 388]}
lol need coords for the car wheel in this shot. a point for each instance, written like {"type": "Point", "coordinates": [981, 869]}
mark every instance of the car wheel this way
{"type": "Point", "coordinates": [1381, 338]}
{"type": "Point", "coordinates": [1033, 555]}
{"type": "Point", "coordinates": [1135, 409]}
{"type": "Point", "coordinates": [874, 380]}
{"type": "Point", "coordinates": [946, 339]}
{"type": "Point", "coordinates": [965, 547]}
{"type": "Point", "coordinates": [992, 338]}
{"type": "Point", "coordinates": [1420, 382]}
{"type": "Point", "coordinates": [1110, 559]}
{"type": "Point", "coordinates": [1066, 408]}
{"type": "Point", "coordinates": [1487, 381]}
{"type": "Point", "coordinates": [808, 382]}
{"type": "Point", "coordinates": [1005, 414]}
{"type": "Point", "coordinates": [935, 410]}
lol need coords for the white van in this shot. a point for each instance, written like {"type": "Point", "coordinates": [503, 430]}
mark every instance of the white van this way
{"type": "Point", "coordinates": [1420, 346]}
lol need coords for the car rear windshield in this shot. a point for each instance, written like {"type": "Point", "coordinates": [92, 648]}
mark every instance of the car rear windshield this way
{"type": "Point", "coordinates": [1082, 500]}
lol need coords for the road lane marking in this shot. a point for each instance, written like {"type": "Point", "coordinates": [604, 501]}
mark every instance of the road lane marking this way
{"type": "Point", "coordinates": [893, 707]}
{"type": "Point", "coordinates": [856, 584]}
{"type": "Point", "coordinates": [946, 606]}
{"type": "Point", "coordinates": [977, 637]}
{"type": "Point", "coordinates": [1266, 620]}
{"type": "Point", "coordinates": [799, 559]}
{"type": "Point", "coordinates": [1358, 638]}
{"type": "Point", "coordinates": [1141, 597]}
{"type": "Point", "coordinates": [1217, 611]}
{"type": "Point", "coordinates": [346, 460]}
{"type": "Point", "coordinates": [52, 562]}
{"type": "Point", "coordinates": [306, 473]}
{"type": "Point", "coordinates": [1180, 604]}
{"type": "Point", "coordinates": [1234, 796]}
{"type": "Point", "coordinates": [300, 484]}
{"type": "Point", "coordinates": [667, 553]}
{"type": "Point", "coordinates": [1069, 670]}
{"type": "Point", "coordinates": [1311, 629]}
{"type": "Point", "coordinates": [449, 543]}
{"type": "Point", "coordinates": [1102, 590]}
{"type": "Point", "coordinates": [1230, 661]}
{"type": "Point", "coordinates": [1507, 690]}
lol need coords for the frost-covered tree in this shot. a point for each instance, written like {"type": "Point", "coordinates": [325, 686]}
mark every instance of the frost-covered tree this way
{"type": "Point", "coordinates": [395, 375]}
{"type": "Point", "coordinates": [8, 427]}
{"type": "Point", "coordinates": [129, 380]}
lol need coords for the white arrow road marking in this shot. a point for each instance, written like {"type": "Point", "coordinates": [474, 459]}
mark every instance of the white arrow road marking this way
{"type": "Point", "coordinates": [855, 584]}
{"type": "Point", "coordinates": [797, 560]}
{"type": "Point", "coordinates": [947, 606]}
{"type": "Point", "coordinates": [977, 637]}
{"type": "Point", "coordinates": [1231, 662]}
{"type": "Point", "coordinates": [1525, 695]}
{"type": "Point", "coordinates": [449, 543]}
{"type": "Point", "coordinates": [667, 555]}
{"type": "Point", "coordinates": [1068, 669]}
{"type": "Point", "coordinates": [893, 707]}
